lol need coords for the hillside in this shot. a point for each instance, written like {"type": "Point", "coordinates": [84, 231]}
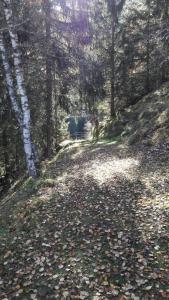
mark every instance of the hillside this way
{"type": "Point", "coordinates": [145, 122]}
{"type": "Point", "coordinates": [94, 226]}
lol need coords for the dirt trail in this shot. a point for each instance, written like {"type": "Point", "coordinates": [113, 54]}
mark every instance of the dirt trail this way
{"type": "Point", "coordinates": [98, 228]}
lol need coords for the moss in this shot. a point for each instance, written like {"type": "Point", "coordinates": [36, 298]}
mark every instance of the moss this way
{"type": "Point", "coordinates": [48, 182]}
{"type": "Point", "coordinates": [145, 122]}
{"type": "Point", "coordinates": [30, 185]}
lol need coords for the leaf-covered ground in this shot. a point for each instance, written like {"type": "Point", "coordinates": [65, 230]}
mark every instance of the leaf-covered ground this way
{"type": "Point", "coordinates": [95, 226]}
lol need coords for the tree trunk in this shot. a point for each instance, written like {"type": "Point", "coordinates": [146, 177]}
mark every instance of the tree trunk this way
{"type": "Point", "coordinates": [5, 152]}
{"type": "Point", "coordinates": [112, 60]}
{"type": "Point", "coordinates": [148, 50]}
{"type": "Point", "coordinates": [10, 83]}
{"type": "Point", "coordinates": [55, 107]}
{"type": "Point", "coordinates": [21, 91]}
{"type": "Point", "coordinates": [49, 117]}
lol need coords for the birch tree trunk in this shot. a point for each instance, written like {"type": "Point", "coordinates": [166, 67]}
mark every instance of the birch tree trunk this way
{"type": "Point", "coordinates": [11, 90]}
{"type": "Point", "coordinates": [10, 83]}
{"type": "Point", "coordinates": [21, 92]}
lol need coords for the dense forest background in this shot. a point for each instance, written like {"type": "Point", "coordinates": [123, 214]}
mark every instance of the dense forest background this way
{"type": "Point", "coordinates": [84, 218]}
{"type": "Point", "coordinates": [65, 56]}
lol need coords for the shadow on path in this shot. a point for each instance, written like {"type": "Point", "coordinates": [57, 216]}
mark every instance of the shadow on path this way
{"type": "Point", "coordinates": [98, 234]}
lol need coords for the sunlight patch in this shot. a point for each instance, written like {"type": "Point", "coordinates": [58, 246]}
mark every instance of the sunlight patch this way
{"type": "Point", "coordinates": [104, 171]}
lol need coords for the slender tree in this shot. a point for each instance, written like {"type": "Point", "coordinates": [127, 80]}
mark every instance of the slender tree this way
{"type": "Point", "coordinates": [115, 7]}
{"type": "Point", "coordinates": [148, 49]}
{"type": "Point", "coordinates": [112, 57]}
{"type": "Point", "coordinates": [21, 88]}
{"type": "Point", "coordinates": [9, 81]}
{"type": "Point", "coordinates": [49, 78]}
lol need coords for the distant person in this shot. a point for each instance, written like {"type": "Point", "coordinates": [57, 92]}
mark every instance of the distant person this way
{"type": "Point", "coordinates": [72, 127]}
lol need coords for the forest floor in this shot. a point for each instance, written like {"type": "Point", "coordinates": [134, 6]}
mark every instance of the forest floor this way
{"type": "Point", "coordinates": [95, 226]}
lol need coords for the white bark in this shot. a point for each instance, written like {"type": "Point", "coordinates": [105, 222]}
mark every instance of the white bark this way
{"type": "Point", "coordinates": [10, 83]}
{"type": "Point", "coordinates": [11, 90]}
{"type": "Point", "coordinates": [21, 91]}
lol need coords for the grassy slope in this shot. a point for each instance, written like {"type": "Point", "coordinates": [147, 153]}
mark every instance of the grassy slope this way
{"type": "Point", "coordinates": [147, 121]}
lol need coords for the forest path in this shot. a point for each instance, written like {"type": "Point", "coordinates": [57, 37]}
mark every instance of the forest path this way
{"type": "Point", "coordinates": [96, 228]}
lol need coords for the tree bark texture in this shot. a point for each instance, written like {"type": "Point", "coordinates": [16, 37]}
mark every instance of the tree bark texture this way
{"type": "Point", "coordinates": [21, 90]}
{"type": "Point", "coordinates": [49, 78]}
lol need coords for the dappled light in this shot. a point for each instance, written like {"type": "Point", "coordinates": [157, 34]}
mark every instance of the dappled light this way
{"type": "Point", "coordinates": [103, 171]}
{"type": "Point", "coordinates": [84, 150]}
{"type": "Point", "coordinates": [100, 224]}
